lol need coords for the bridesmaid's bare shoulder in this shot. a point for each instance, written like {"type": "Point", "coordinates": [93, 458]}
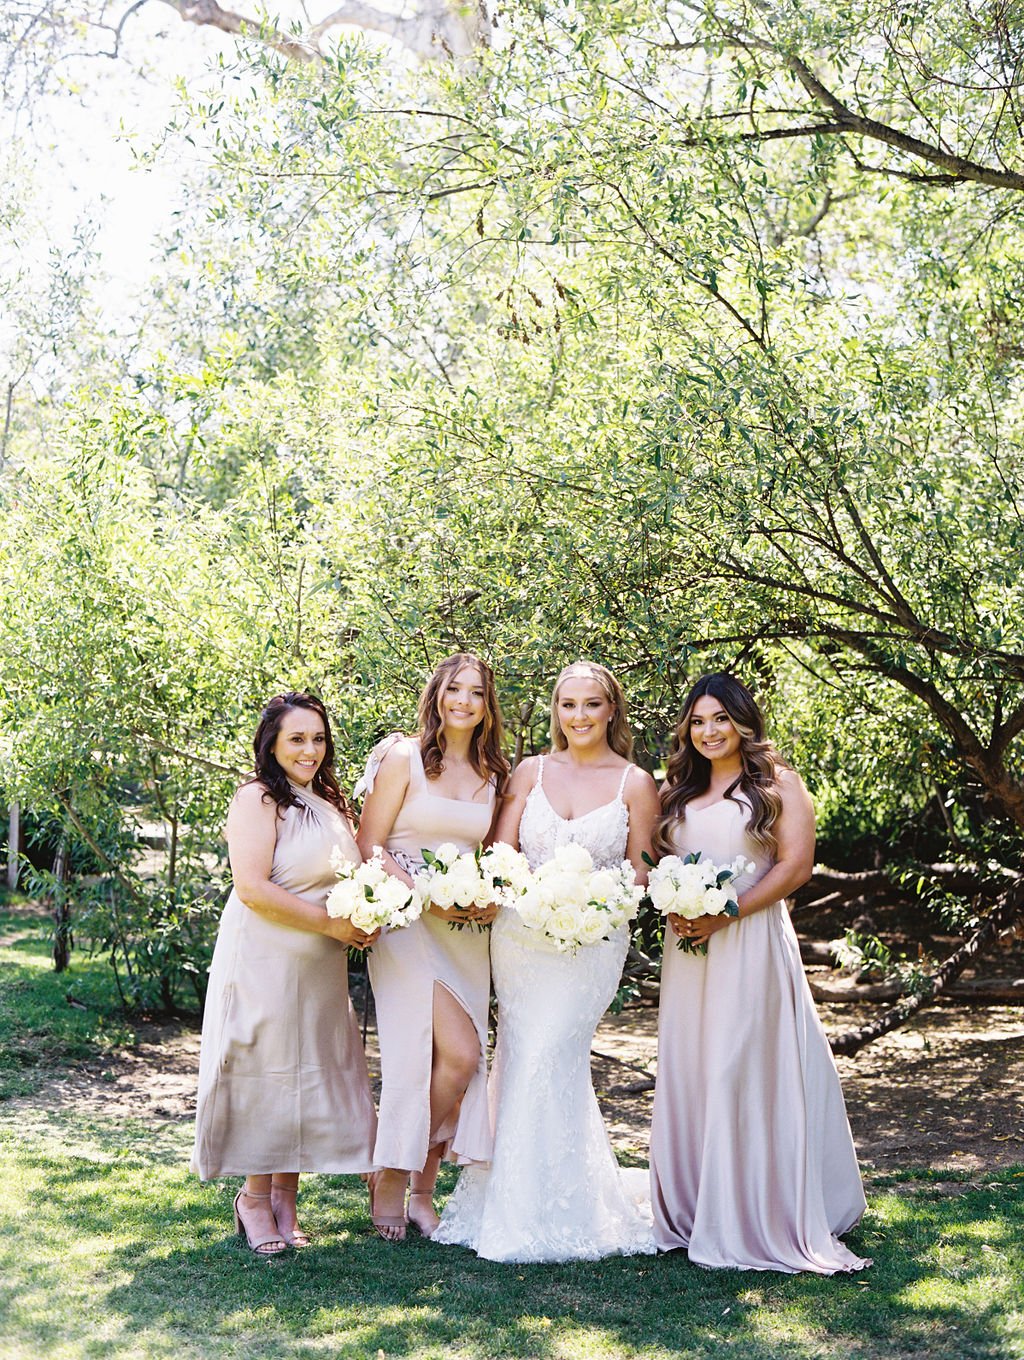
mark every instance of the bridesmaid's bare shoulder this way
{"type": "Point", "coordinates": [394, 764]}
{"type": "Point", "coordinates": [252, 796]}
{"type": "Point", "coordinates": [793, 790]}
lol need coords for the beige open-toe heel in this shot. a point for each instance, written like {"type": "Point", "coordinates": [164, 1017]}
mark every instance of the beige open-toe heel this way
{"type": "Point", "coordinates": [298, 1237]}
{"type": "Point", "coordinates": [382, 1222]}
{"type": "Point", "coordinates": [258, 1244]}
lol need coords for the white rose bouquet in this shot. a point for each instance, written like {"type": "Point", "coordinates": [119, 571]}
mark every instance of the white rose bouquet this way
{"type": "Point", "coordinates": [693, 887]}
{"type": "Point", "coordinates": [507, 871]}
{"type": "Point", "coordinates": [369, 896]}
{"type": "Point", "coordinates": [450, 880]}
{"type": "Point", "coordinates": [569, 903]}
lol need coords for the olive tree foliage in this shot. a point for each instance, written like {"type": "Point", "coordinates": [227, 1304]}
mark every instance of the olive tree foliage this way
{"type": "Point", "coordinates": [665, 335]}
{"type": "Point", "coordinates": [697, 347]}
{"type": "Point", "coordinates": [670, 269]}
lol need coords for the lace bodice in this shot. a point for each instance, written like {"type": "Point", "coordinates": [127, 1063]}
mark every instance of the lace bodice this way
{"type": "Point", "coordinates": [554, 1191]}
{"type": "Point", "coordinates": [603, 831]}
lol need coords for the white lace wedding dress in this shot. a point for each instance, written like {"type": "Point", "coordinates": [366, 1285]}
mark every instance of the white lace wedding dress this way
{"type": "Point", "coordinates": [554, 1191]}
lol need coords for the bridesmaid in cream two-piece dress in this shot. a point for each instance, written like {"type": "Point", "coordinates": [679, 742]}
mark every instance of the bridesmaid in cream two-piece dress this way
{"type": "Point", "coordinates": [283, 1085]}
{"type": "Point", "coordinates": [752, 1162]}
{"type": "Point", "coordinates": [431, 980]}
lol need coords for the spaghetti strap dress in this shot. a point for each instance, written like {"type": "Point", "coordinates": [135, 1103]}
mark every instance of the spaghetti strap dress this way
{"type": "Point", "coordinates": [283, 1084]}
{"type": "Point", "coordinates": [752, 1161]}
{"type": "Point", "coordinates": [554, 1191]}
{"type": "Point", "coordinates": [405, 964]}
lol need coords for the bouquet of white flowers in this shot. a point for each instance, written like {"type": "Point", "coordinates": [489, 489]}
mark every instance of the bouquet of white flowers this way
{"type": "Point", "coordinates": [693, 887]}
{"type": "Point", "coordinates": [507, 871]}
{"type": "Point", "coordinates": [570, 903]}
{"type": "Point", "coordinates": [477, 878]}
{"type": "Point", "coordinates": [369, 896]}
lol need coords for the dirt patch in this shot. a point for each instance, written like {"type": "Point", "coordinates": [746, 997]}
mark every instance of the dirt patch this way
{"type": "Point", "coordinates": [943, 1093]}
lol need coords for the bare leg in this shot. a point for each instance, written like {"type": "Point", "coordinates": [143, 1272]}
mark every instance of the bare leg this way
{"type": "Point", "coordinates": [284, 1192]}
{"type": "Point", "coordinates": [456, 1057]}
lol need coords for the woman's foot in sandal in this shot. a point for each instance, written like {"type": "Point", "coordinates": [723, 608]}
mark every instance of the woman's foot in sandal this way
{"type": "Point", "coordinates": [387, 1204]}
{"type": "Point", "coordinates": [283, 1202]}
{"type": "Point", "coordinates": [422, 1215]}
{"type": "Point", "coordinates": [261, 1231]}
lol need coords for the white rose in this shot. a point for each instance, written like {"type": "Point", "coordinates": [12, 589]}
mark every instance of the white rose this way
{"type": "Point", "coordinates": [564, 922]}
{"type": "Point", "coordinates": [605, 884]}
{"type": "Point", "coordinates": [342, 898]}
{"type": "Point", "coordinates": [594, 927]}
{"type": "Point", "coordinates": [440, 890]}
{"type": "Point", "coordinates": [447, 853]}
{"type": "Point", "coordinates": [575, 858]}
{"type": "Point", "coordinates": [364, 916]}
{"type": "Point", "coordinates": [464, 879]}
{"type": "Point", "coordinates": [689, 903]}
{"type": "Point", "coordinates": [715, 901]}
{"type": "Point", "coordinates": [372, 873]}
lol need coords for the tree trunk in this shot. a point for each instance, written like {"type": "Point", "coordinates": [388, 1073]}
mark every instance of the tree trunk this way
{"type": "Point", "coordinates": [13, 844]}
{"type": "Point", "coordinates": [61, 908]}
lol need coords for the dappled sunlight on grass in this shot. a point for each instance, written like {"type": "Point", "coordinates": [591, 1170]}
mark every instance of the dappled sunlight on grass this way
{"type": "Point", "coordinates": [149, 1266]}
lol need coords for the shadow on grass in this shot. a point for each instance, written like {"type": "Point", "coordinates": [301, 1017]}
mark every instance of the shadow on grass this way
{"type": "Point", "coordinates": [946, 1279]}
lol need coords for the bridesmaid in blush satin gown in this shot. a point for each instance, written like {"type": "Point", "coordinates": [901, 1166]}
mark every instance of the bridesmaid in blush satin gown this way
{"type": "Point", "coordinates": [283, 1085]}
{"type": "Point", "coordinates": [431, 980]}
{"type": "Point", "coordinates": [752, 1161]}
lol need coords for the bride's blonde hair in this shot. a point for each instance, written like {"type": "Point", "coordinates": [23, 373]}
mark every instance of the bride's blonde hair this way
{"type": "Point", "coordinates": [620, 738]}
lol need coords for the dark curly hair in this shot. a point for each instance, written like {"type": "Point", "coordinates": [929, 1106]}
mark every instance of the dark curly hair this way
{"type": "Point", "coordinates": [270, 774]}
{"type": "Point", "coordinates": [485, 753]}
{"type": "Point", "coordinates": [688, 773]}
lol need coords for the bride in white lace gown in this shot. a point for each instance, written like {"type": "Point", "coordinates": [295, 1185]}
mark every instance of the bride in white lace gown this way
{"type": "Point", "coordinates": [554, 1191]}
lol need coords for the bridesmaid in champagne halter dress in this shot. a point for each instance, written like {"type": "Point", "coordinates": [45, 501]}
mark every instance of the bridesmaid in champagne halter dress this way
{"type": "Point", "coordinates": [431, 980]}
{"type": "Point", "coordinates": [752, 1162]}
{"type": "Point", "coordinates": [283, 1085]}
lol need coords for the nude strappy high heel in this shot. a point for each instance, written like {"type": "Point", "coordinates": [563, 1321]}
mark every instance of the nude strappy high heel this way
{"type": "Point", "coordinates": [298, 1237]}
{"type": "Point", "coordinates": [256, 1244]}
{"type": "Point", "coordinates": [381, 1221]}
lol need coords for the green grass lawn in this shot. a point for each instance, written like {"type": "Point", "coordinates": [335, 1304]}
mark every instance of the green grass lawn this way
{"type": "Point", "coordinates": [110, 1248]}
{"type": "Point", "coordinates": [48, 1019]}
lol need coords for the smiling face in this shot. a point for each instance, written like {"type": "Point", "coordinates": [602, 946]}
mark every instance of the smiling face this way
{"type": "Point", "coordinates": [301, 744]}
{"type": "Point", "coordinates": [713, 733]}
{"type": "Point", "coordinates": [462, 702]}
{"type": "Point", "coordinates": [583, 711]}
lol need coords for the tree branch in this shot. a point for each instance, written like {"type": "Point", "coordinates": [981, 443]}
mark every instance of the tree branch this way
{"type": "Point", "coordinates": [1002, 915]}
{"type": "Point", "coordinates": [209, 12]}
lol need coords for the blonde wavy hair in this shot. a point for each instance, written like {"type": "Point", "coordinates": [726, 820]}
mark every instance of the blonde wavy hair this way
{"type": "Point", "coordinates": [620, 737]}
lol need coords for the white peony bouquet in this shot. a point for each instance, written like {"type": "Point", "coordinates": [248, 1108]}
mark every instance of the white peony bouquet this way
{"type": "Point", "coordinates": [369, 896]}
{"type": "Point", "coordinates": [569, 903]}
{"type": "Point", "coordinates": [476, 878]}
{"type": "Point", "coordinates": [693, 887]}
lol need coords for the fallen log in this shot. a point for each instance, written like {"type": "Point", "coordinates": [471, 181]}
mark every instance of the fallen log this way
{"type": "Point", "coordinates": [974, 991]}
{"type": "Point", "coordinates": [998, 918]}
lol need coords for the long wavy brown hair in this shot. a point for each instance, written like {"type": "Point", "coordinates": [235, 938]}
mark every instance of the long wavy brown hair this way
{"type": "Point", "coordinates": [270, 774]}
{"type": "Point", "coordinates": [620, 737]}
{"type": "Point", "coordinates": [688, 773]}
{"type": "Point", "coordinates": [485, 749]}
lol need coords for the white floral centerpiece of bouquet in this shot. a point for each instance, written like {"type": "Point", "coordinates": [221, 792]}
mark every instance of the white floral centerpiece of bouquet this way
{"type": "Point", "coordinates": [569, 902]}
{"type": "Point", "coordinates": [369, 896]}
{"type": "Point", "coordinates": [474, 879]}
{"type": "Point", "coordinates": [692, 887]}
